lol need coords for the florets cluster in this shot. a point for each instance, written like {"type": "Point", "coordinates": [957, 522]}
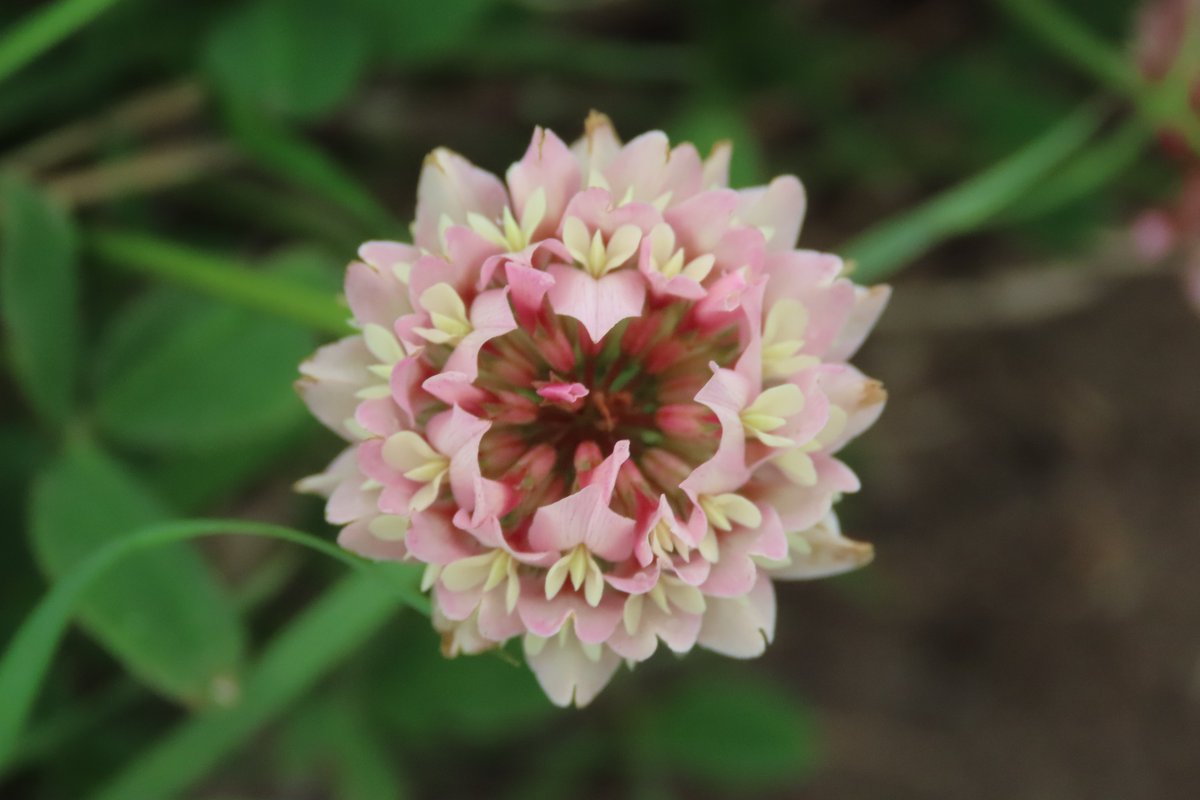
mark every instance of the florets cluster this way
{"type": "Point", "coordinates": [601, 401]}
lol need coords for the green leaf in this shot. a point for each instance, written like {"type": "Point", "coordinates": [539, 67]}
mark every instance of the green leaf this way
{"type": "Point", "coordinates": [726, 730]}
{"type": "Point", "coordinates": [183, 373]}
{"type": "Point", "coordinates": [39, 296]}
{"type": "Point", "coordinates": [161, 613]}
{"type": "Point", "coordinates": [299, 58]}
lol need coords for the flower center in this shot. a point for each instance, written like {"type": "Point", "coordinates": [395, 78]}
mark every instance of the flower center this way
{"type": "Point", "coordinates": [561, 403]}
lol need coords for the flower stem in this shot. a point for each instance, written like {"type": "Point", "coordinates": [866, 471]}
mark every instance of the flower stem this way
{"type": "Point", "coordinates": [887, 247]}
{"type": "Point", "coordinates": [42, 29]}
{"type": "Point", "coordinates": [219, 278]}
{"type": "Point", "coordinates": [1162, 104]}
{"type": "Point", "coordinates": [1076, 43]}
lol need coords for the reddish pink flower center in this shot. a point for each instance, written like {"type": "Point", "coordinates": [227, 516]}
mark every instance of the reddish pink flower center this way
{"type": "Point", "coordinates": [543, 445]}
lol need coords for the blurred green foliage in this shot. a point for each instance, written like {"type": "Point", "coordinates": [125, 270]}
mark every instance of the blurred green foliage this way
{"type": "Point", "coordinates": [133, 402]}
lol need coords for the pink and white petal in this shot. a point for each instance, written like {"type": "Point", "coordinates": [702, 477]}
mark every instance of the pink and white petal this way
{"type": "Point", "coordinates": [469, 253]}
{"type": "Point", "coordinates": [544, 617]}
{"type": "Point", "coordinates": [869, 304]}
{"type": "Point", "coordinates": [450, 186]}
{"type": "Point", "coordinates": [585, 517]}
{"type": "Point", "coordinates": [716, 166]}
{"type": "Point", "coordinates": [734, 573]}
{"type": "Point", "coordinates": [594, 624]}
{"type": "Point", "coordinates": [326, 482]}
{"type": "Point", "coordinates": [598, 304]}
{"type": "Point", "coordinates": [598, 146]}
{"type": "Point", "coordinates": [740, 627]}
{"type": "Point", "coordinates": [375, 295]}
{"type": "Point", "coordinates": [547, 165]}
{"type": "Point", "coordinates": [380, 416]}
{"type": "Point", "coordinates": [528, 289]}
{"type": "Point", "coordinates": [496, 622]}
{"type": "Point", "coordinates": [357, 538]}
{"type": "Point", "coordinates": [801, 507]}
{"type": "Point", "coordinates": [434, 539]}
{"type": "Point", "coordinates": [350, 501]}
{"type": "Point", "coordinates": [567, 674]}
{"type": "Point", "coordinates": [388, 256]}
{"type": "Point", "coordinates": [828, 553]}
{"type": "Point", "coordinates": [777, 208]}
{"type": "Point", "coordinates": [701, 221]}
{"type": "Point", "coordinates": [678, 630]}
{"type": "Point", "coordinates": [456, 605]}
{"type": "Point", "coordinates": [491, 317]}
{"type": "Point", "coordinates": [640, 166]}
{"type": "Point", "coordinates": [456, 389]}
{"type": "Point", "coordinates": [429, 270]}
{"type": "Point", "coordinates": [862, 399]}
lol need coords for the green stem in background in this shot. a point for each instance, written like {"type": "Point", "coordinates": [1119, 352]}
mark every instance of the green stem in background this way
{"type": "Point", "coordinates": [887, 247]}
{"type": "Point", "coordinates": [1085, 173]}
{"type": "Point", "coordinates": [43, 741]}
{"type": "Point", "coordinates": [31, 650]}
{"type": "Point", "coordinates": [219, 278]}
{"type": "Point", "coordinates": [1165, 103]}
{"type": "Point", "coordinates": [143, 114]}
{"type": "Point", "coordinates": [1078, 44]}
{"type": "Point", "coordinates": [327, 632]}
{"type": "Point", "coordinates": [282, 152]}
{"type": "Point", "coordinates": [44, 28]}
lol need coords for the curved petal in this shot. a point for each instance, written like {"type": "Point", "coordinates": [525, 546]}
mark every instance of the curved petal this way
{"type": "Point", "coordinates": [741, 627]}
{"type": "Point", "coordinates": [597, 304]}
{"type": "Point", "coordinates": [450, 187]}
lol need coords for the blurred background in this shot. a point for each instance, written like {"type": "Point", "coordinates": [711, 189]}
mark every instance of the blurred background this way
{"type": "Point", "coordinates": [1030, 627]}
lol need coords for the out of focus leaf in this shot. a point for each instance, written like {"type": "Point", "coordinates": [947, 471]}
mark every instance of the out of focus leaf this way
{"type": "Point", "coordinates": [331, 736]}
{"type": "Point", "coordinates": [739, 731]}
{"type": "Point", "coordinates": [414, 32]}
{"type": "Point", "coordinates": [425, 695]}
{"type": "Point", "coordinates": [160, 612]}
{"type": "Point", "coordinates": [299, 58]}
{"type": "Point", "coordinates": [287, 155]}
{"type": "Point", "coordinates": [181, 373]}
{"type": "Point", "coordinates": [39, 296]}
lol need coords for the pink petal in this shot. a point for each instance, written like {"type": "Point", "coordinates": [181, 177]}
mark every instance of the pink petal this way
{"type": "Point", "coordinates": [566, 673]}
{"type": "Point", "coordinates": [829, 553]}
{"type": "Point", "coordinates": [597, 304]}
{"type": "Point", "coordinates": [376, 295]}
{"type": "Point", "coordinates": [528, 288]}
{"type": "Point", "coordinates": [450, 186]}
{"type": "Point", "coordinates": [585, 518]}
{"type": "Point", "coordinates": [779, 207]}
{"type": "Point", "coordinates": [548, 165]}
{"type": "Point", "coordinates": [357, 538]}
{"type": "Point", "coordinates": [869, 304]}
{"type": "Point", "coordinates": [741, 627]}
{"type": "Point", "coordinates": [491, 316]}
{"type": "Point", "coordinates": [701, 221]}
{"type": "Point", "coordinates": [434, 539]}
{"type": "Point", "coordinates": [567, 393]}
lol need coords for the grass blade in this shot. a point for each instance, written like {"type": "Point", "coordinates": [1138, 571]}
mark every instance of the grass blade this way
{"type": "Point", "coordinates": [886, 248]}
{"type": "Point", "coordinates": [45, 28]}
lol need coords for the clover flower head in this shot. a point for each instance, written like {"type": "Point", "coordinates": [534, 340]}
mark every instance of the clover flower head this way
{"type": "Point", "coordinates": [601, 401]}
